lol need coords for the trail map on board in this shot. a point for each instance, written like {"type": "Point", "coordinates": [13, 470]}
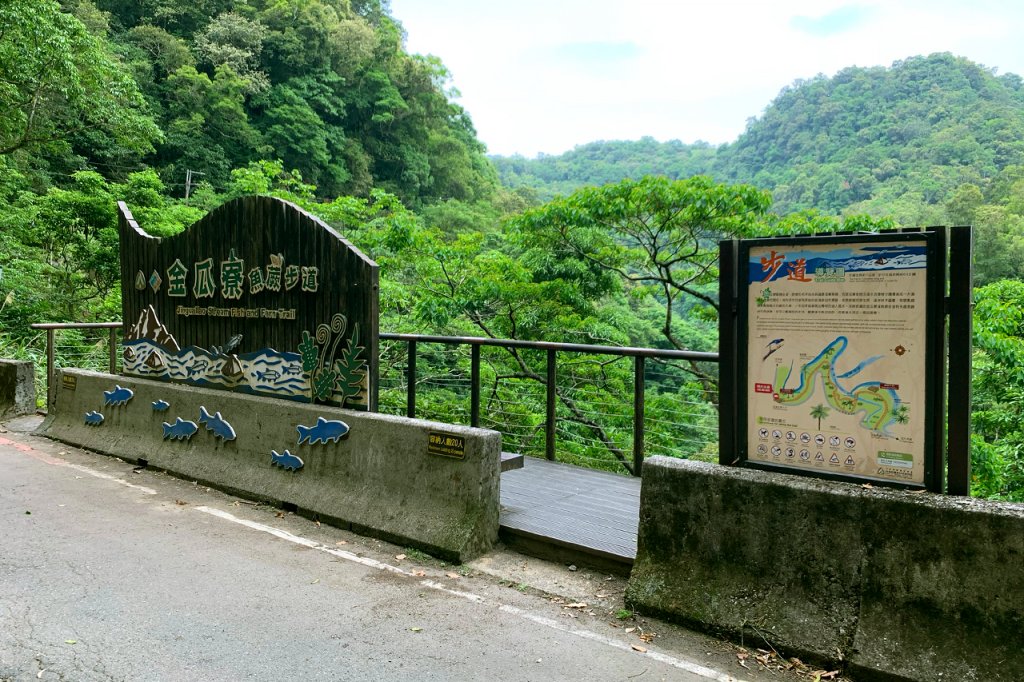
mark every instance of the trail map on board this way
{"type": "Point", "coordinates": [836, 358]}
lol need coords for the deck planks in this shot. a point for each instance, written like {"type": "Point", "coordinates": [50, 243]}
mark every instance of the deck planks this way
{"type": "Point", "coordinates": [594, 512]}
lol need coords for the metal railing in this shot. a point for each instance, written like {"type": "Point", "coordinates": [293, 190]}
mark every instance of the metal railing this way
{"type": "Point", "coordinates": [87, 350]}
{"type": "Point", "coordinates": [630, 456]}
{"type": "Point", "coordinates": [595, 411]}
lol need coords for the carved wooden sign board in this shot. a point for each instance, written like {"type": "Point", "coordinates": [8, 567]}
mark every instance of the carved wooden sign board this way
{"type": "Point", "coordinates": [258, 297]}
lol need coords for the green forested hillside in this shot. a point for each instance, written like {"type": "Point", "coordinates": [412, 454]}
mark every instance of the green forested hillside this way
{"type": "Point", "coordinates": [921, 127]}
{"type": "Point", "coordinates": [911, 133]}
{"type": "Point", "coordinates": [599, 163]}
{"type": "Point", "coordinates": [211, 85]}
{"type": "Point", "coordinates": [929, 140]}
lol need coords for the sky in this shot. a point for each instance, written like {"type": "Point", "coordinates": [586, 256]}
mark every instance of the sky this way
{"type": "Point", "coordinates": [543, 76]}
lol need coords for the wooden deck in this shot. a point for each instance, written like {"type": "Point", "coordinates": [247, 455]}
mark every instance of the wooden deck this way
{"type": "Point", "coordinates": [588, 512]}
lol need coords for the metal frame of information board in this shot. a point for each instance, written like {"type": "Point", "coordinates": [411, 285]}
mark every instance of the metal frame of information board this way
{"type": "Point", "coordinates": [943, 251]}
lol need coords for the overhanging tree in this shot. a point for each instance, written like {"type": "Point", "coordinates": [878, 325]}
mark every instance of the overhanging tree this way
{"type": "Point", "coordinates": [658, 236]}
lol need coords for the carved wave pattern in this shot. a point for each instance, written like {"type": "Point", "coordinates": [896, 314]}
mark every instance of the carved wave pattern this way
{"type": "Point", "coordinates": [265, 372]}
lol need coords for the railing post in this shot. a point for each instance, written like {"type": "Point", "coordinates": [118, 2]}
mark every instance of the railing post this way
{"type": "Point", "coordinates": [939, 377]}
{"type": "Point", "coordinates": [958, 436]}
{"type": "Point", "coordinates": [728, 392]}
{"type": "Point", "coordinates": [549, 426]}
{"type": "Point", "coordinates": [410, 395]}
{"type": "Point", "coordinates": [113, 350]}
{"type": "Point", "coordinates": [638, 414]}
{"type": "Point", "coordinates": [51, 391]}
{"type": "Point", "coordinates": [474, 386]}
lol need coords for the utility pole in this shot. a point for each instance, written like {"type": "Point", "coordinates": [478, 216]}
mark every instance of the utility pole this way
{"type": "Point", "coordinates": [188, 182]}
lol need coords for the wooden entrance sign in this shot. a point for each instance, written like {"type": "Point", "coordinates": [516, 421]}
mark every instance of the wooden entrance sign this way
{"type": "Point", "coordinates": [258, 297]}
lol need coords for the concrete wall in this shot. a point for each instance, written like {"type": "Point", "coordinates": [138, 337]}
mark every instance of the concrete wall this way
{"type": "Point", "coordinates": [378, 480]}
{"type": "Point", "coordinates": [898, 585]}
{"type": "Point", "coordinates": [17, 388]}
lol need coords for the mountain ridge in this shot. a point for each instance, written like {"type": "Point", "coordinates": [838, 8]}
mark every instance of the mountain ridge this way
{"type": "Point", "coordinates": [859, 141]}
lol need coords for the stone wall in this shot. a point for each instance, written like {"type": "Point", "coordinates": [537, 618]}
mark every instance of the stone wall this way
{"type": "Point", "coordinates": [17, 388]}
{"type": "Point", "coordinates": [896, 585]}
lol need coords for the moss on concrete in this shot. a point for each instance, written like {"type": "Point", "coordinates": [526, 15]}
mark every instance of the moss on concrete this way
{"type": "Point", "coordinates": [898, 584]}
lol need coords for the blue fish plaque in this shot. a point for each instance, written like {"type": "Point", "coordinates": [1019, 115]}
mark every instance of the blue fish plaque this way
{"type": "Point", "coordinates": [285, 460]}
{"type": "Point", "coordinates": [322, 431]}
{"type": "Point", "coordinates": [180, 430]}
{"type": "Point", "coordinates": [216, 423]}
{"type": "Point", "coordinates": [119, 396]}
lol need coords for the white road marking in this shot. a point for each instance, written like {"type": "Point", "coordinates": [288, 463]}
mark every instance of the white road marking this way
{"type": "Point", "coordinates": [682, 664]}
{"type": "Point", "coordinates": [468, 596]}
{"type": "Point", "coordinates": [108, 477]}
{"type": "Point", "coordinates": [312, 544]}
{"type": "Point", "coordinates": [55, 461]}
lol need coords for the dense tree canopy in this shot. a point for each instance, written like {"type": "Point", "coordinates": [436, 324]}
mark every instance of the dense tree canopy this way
{"type": "Point", "coordinates": [998, 415]}
{"type": "Point", "coordinates": [323, 85]}
{"type": "Point", "coordinates": [60, 84]}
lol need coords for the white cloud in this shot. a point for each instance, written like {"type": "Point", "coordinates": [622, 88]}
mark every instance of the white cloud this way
{"type": "Point", "coordinates": [534, 80]}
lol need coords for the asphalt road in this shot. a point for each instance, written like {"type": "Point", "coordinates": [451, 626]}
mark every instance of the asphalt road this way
{"type": "Point", "coordinates": [111, 574]}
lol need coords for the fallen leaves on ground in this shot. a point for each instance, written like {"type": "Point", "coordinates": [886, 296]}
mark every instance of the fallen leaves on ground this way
{"type": "Point", "coordinates": [453, 576]}
{"type": "Point", "coordinates": [576, 605]}
{"type": "Point", "coordinates": [180, 502]}
{"type": "Point", "coordinates": [770, 660]}
{"type": "Point", "coordinates": [637, 647]}
{"type": "Point", "coordinates": [400, 557]}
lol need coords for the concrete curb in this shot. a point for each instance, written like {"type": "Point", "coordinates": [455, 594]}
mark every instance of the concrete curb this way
{"type": "Point", "coordinates": [378, 479]}
{"type": "Point", "coordinates": [899, 585]}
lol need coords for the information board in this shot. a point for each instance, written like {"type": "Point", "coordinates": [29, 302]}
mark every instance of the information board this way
{"type": "Point", "coordinates": [835, 365]}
